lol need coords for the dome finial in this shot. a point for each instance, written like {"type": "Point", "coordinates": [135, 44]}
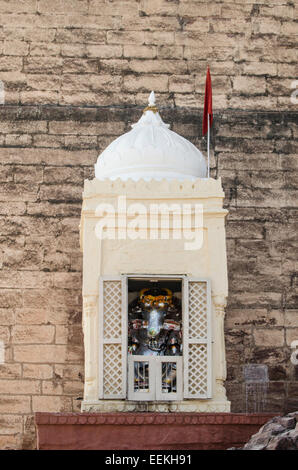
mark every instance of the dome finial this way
{"type": "Point", "coordinates": [151, 103]}
{"type": "Point", "coordinates": [151, 99]}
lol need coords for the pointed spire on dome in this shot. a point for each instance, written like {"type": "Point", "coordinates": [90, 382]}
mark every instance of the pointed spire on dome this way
{"type": "Point", "coordinates": [150, 115]}
{"type": "Point", "coordinates": [151, 99]}
{"type": "Point", "coordinates": [151, 103]}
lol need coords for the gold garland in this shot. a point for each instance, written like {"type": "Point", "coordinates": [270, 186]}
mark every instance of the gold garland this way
{"type": "Point", "coordinates": [151, 108]}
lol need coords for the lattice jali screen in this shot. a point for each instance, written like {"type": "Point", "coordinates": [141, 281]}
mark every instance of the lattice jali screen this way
{"type": "Point", "coordinates": [197, 340]}
{"type": "Point", "coordinates": [112, 293]}
{"type": "Point", "coordinates": [112, 331]}
{"type": "Point", "coordinates": [197, 307]}
{"type": "Point", "coordinates": [197, 369]}
{"type": "Point", "coordinates": [112, 384]}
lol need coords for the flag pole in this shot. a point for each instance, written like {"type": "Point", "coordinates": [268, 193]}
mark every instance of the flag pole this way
{"type": "Point", "coordinates": [208, 145]}
{"type": "Point", "coordinates": [208, 115]}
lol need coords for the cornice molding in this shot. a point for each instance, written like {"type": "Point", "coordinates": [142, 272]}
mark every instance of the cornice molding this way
{"type": "Point", "coordinates": [150, 418]}
{"type": "Point", "coordinates": [199, 188]}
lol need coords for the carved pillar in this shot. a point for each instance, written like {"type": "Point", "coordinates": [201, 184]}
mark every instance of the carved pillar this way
{"type": "Point", "coordinates": [90, 342]}
{"type": "Point", "coordinates": [219, 303]}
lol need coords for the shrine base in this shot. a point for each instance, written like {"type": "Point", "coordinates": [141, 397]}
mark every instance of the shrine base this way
{"type": "Point", "coordinates": [146, 431]}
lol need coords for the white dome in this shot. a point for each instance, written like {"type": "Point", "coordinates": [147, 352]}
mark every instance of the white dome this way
{"type": "Point", "coordinates": [150, 151]}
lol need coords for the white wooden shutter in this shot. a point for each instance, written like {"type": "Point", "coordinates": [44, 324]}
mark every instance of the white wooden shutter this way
{"type": "Point", "coordinates": [163, 361]}
{"type": "Point", "coordinates": [151, 388]}
{"type": "Point", "coordinates": [112, 337]}
{"type": "Point", "coordinates": [146, 391]}
{"type": "Point", "coordinates": [197, 342]}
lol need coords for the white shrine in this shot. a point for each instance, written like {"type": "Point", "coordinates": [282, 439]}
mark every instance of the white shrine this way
{"type": "Point", "coordinates": [154, 276]}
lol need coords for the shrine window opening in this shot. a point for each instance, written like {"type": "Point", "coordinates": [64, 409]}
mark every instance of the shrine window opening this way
{"type": "Point", "coordinates": [155, 339]}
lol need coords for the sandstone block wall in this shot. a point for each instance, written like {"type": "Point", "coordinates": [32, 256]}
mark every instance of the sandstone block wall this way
{"type": "Point", "coordinates": [86, 52]}
{"type": "Point", "coordinates": [76, 73]}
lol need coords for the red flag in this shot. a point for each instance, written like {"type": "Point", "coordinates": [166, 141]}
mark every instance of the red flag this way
{"type": "Point", "coordinates": [207, 103]}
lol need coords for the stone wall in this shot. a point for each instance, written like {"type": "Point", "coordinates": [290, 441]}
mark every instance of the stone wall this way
{"type": "Point", "coordinates": [86, 52]}
{"type": "Point", "coordinates": [73, 72]}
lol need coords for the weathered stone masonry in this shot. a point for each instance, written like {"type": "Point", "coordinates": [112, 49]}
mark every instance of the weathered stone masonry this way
{"type": "Point", "coordinates": [70, 68]}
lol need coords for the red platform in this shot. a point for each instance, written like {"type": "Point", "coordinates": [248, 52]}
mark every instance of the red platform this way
{"type": "Point", "coordinates": [152, 431]}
